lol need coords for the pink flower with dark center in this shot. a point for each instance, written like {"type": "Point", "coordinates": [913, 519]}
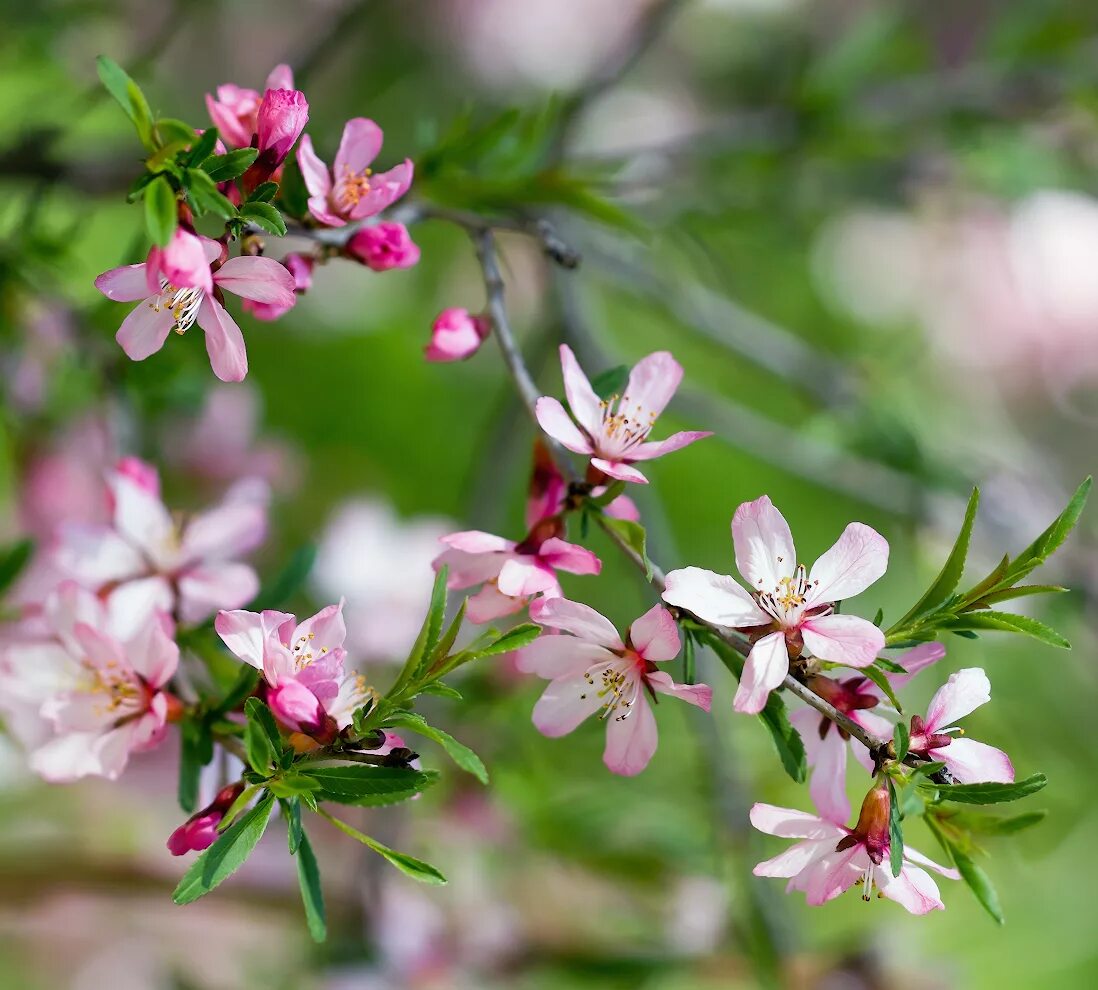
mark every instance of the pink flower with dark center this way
{"type": "Point", "coordinates": [592, 671]}
{"type": "Point", "coordinates": [235, 111]}
{"type": "Point", "coordinates": [384, 246]}
{"type": "Point", "coordinates": [200, 830]}
{"type": "Point", "coordinates": [174, 307]}
{"type": "Point", "coordinates": [148, 561]}
{"type": "Point", "coordinates": [933, 737]}
{"type": "Point", "coordinates": [351, 191]}
{"type": "Point", "coordinates": [614, 432]}
{"type": "Point", "coordinates": [82, 698]}
{"type": "Point", "coordinates": [511, 573]}
{"type": "Point", "coordinates": [456, 335]}
{"type": "Point", "coordinates": [300, 267]}
{"type": "Point", "coordinates": [826, 744]}
{"type": "Point", "coordinates": [831, 858]}
{"type": "Point", "coordinates": [789, 609]}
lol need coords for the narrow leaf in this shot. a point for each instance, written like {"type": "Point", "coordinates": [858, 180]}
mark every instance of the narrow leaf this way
{"type": "Point", "coordinates": [362, 784]}
{"type": "Point", "coordinates": [461, 754]}
{"type": "Point", "coordinates": [13, 559]}
{"type": "Point", "coordinates": [1007, 622]}
{"type": "Point", "coordinates": [127, 95]}
{"type": "Point", "coordinates": [992, 793]}
{"type": "Point", "coordinates": [881, 681]}
{"type": "Point", "coordinates": [221, 168]}
{"type": "Point", "coordinates": [973, 874]}
{"type": "Point", "coordinates": [895, 831]}
{"type": "Point", "coordinates": [161, 215]}
{"type": "Point", "coordinates": [308, 877]}
{"type": "Point", "coordinates": [408, 865]}
{"type": "Point", "coordinates": [266, 216]}
{"type": "Point", "coordinates": [901, 740]}
{"type": "Point", "coordinates": [1050, 540]}
{"type": "Point", "coordinates": [632, 535]}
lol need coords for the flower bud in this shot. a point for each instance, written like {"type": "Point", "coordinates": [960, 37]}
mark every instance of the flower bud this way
{"type": "Point", "coordinates": [872, 827]}
{"type": "Point", "coordinates": [383, 246]}
{"type": "Point", "coordinates": [200, 830]}
{"type": "Point", "coordinates": [456, 335]}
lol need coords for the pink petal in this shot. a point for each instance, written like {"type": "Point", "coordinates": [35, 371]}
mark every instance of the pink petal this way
{"type": "Point", "coordinates": [925, 861]}
{"type": "Point", "coordinates": [183, 262]}
{"type": "Point", "coordinates": [145, 329]}
{"type": "Point", "coordinates": [246, 633]}
{"type": "Point", "coordinates": [831, 875]}
{"type": "Point", "coordinates": [791, 824]}
{"type": "Point", "coordinates": [619, 470]}
{"type": "Point", "coordinates": [229, 530]}
{"type": "Point", "coordinates": [96, 555]}
{"type": "Point", "coordinates": [795, 859]}
{"type": "Point", "coordinates": [765, 668]}
{"type": "Point", "coordinates": [554, 657]}
{"type": "Point", "coordinates": [569, 557]}
{"type": "Point", "coordinates": [207, 588]}
{"type": "Point", "coordinates": [318, 207]}
{"type": "Point", "coordinates": [827, 787]}
{"type": "Point", "coordinates": [700, 695]}
{"type": "Point", "coordinates": [914, 660]}
{"type": "Point", "coordinates": [281, 77]}
{"type": "Point", "coordinates": [586, 406]}
{"type": "Point", "coordinates": [964, 692]}
{"type": "Point", "coordinates": [581, 621]}
{"type": "Point", "coordinates": [313, 171]}
{"type": "Point", "coordinates": [358, 147]}
{"type": "Point", "coordinates": [858, 558]}
{"type": "Point", "coordinates": [467, 569]}
{"type": "Point", "coordinates": [132, 604]}
{"type": "Point", "coordinates": [521, 577]}
{"type": "Point", "coordinates": [385, 189]}
{"type": "Point", "coordinates": [295, 706]}
{"type": "Point", "coordinates": [261, 279]}
{"type": "Point", "coordinates": [913, 889]}
{"type": "Point", "coordinates": [765, 553]}
{"type": "Point", "coordinates": [657, 448]}
{"type": "Point", "coordinates": [973, 762]}
{"type": "Point", "coordinates": [631, 738]}
{"type": "Point", "coordinates": [843, 639]}
{"type": "Point", "coordinates": [125, 284]}
{"type": "Point", "coordinates": [488, 604]}
{"type": "Point", "coordinates": [69, 757]}
{"type": "Point", "coordinates": [142, 518]}
{"type": "Point", "coordinates": [153, 654]}
{"type": "Point", "coordinates": [475, 541]}
{"type": "Point", "coordinates": [712, 597]}
{"type": "Point", "coordinates": [558, 424]}
{"type": "Point", "coordinates": [327, 630]}
{"type": "Point", "coordinates": [652, 382]}
{"type": "Point", "coordinates": [655, 635]}
{"type": "Point", "coordinates": [224, 341]}
{"type": "Point", "coordinates": [564, 704]}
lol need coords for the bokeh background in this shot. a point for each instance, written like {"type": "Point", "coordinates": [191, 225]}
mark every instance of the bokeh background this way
{"type": "Point", "coordinates": [868, 231]}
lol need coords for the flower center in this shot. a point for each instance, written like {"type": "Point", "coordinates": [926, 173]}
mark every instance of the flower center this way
{"type": "Point", "coordinates": [866, 881]}
{"type": "Point", "coordinates": [116, 689]}
{"type": "Point", "coordinates": [623, 428]}
{"type": "Point", "coordinates": [787, 599]}
{"type": "Point", "coordinates": [351, 187]}
{"type": "Point", "coordinates": [304, 652]}
{"type": "Point", "coordinates": [183, 304]}
{"type": "Point", "coordinates": [617, 689]}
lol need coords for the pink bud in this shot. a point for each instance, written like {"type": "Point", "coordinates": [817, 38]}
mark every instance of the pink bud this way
{"type": "Point", "coordinates": [383, 246]}
{"type": "Point", "coordinates": [281, 119]}
{"type": "Point", "coordinates": [456, 335]}
{"type": "Point", "coordinates": [183, 263]}
{"type": "Point", "coordinates": [195, 834]}
{"type": "Point", "coordinates": [141, 473]}
{"type": "Point", "coordinates": [296, 707]}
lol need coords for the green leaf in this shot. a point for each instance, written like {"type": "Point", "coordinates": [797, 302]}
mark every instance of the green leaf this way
{"type": "Point", "coordinates": [169, 131]}
{"type": "Point", "coordinates": [881, 681]}
{"type": "Point", "coordinates": [291, 809]}
{"type": "Point", "coordinates": [787, 740]}
{"type": "Point", "coordinates": [890, 666]}
{"type": "Point", "coordinates": [461, 754]}
{"type": "Point", "coordinates": [992, 793]}
{"type": "Point", "coordinates": [632, 534]}
{"type": "Point", "coordinates": [308, 877]}
{"type": "Point", "coordinates": [441, 690]}
{"type": "Point", "coordinates": [689, 659]}
{"type": "Point", "coordinates": [266, 216]}
{"type": "Point", "coordinates": [901, 740]}
{"type": "Point", "coordinates": [13, 558]}
{"type": "Point", "coordinates": [289, 580]}
{"type": "Point", "coordinates": [362, 784]}
{"type": "Point", "coordinates": [202, 148]}
{"type": "Point", "coordinates": [973, 874]}
{"type": "Point", "coordinates": [428, 636]}
{"type": "Point", "coordinates": [895, 831]}
{"type": "Point", "coordinates": [263, 193]}
{"type": "Point", "coordinates": [408, 865]}
{"type": "Point", "coordinates": [221, 168]}
{"type": "Point", "coordinates": [1021, 591]}
{"type": "Point", "coordinates": [241, 690]}
{"type": "Point", "coordinates": [514, 639]}
{"type": "Point", "coordinates": [611, 382]}
{"type": "Point", "coordinates": [974, 821]}
{"type": "Point", "coordinates": [226, 855]}
{"type": "Point", "coordinates": [196, 750]}
{"type": "Point", "coordinates": [446, 643]}
{"type": "Point", "coordinates": [127, 95]}
{"type": "Point", "coordinates": [927, 769]}
{"type": "Point", "coordinates": [161, 215]}
{"type": "Point", "coordinates": [262, 741]}
{"type": "Point", "coordinates": [1050, 540]}
{"type": "Point", "coordinates": [292, 784]}
{"type": "Point", "coordinates": [952, 570]}
{"type": "Point", "coordinates": [1007, 622]}
{"type": "Point", "coordinates": [204, 194]}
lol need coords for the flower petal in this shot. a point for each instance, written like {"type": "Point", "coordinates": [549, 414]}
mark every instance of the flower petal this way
{"type": "Point", "coordinates": [913, 889]}
{"type": "Point", "coordinates": [795, 859]}
{"type": "Point", "coordinates": [153, 654]}
{"type": "Point", "coordinates": [132, 604]}
{"type": "Point", "coordinates": [327, 630]}
{"type": "Point", "coordinates": [313, 170]}
{"type": "Point", "coordinates": [218, 585]}
{"type": "Point", "coordinates": [858, 558]}
{"type": "Point", "coordinates": [581, 621]}
{"type": "Point", "coordinates": [385, 189]}
{"type": "Point", "coordinates": [655, 635]}
{"type": "Point", "coordinates": [827, 787]}
{"type": "Point", "coordinates": [918, 858]}
{"type": "Point", "coordinates": [652, 382]}
{"type": "Point", "coordinates": [558, 424]}
{"type": "Point", "coordinates": [145, 329]}
{"type": "Point", "coordinates": [765, 668]}
{"type": "Point", "coordinates": [564, 704]}
{"type": "Point", "coordinates": [631, 738]}
{"type": "Point", "coordinates": [964, 692]}
{"type": "Point", "coordinates": [914, 660]}
{"type": "Point", "coordinates": [554, 657]}
{"type": "Point", "coordinates": [712, 597]}
{"type": "Point", "coordinates": [523, 576]}
{"type": "Point", "coordinates": [358, 147]}
{"type": "Point", "coordinates": [619, 470]}
{"type": "Point", "coordinates": [792, 824]}
{"type": "Point", "coordinates": [843, 639]}
{"type": "Point", "coordinates": [489, 603]}
{"type": "Point", "coordinates": [475, 541]}
{"type": "Point", "coordinates": [568, 557]}
{"type": "Point", "coordinates": [143, 519]}
{"type": "Point", "coordinates": [657, 448]}
{"type": "Point", "coordinates": [246, 633]}
{"type": "Point", "coordinates": [263, 280]}
{"type": "Point", "coordinates": [765, 553]}
{"type": "Point", "coordinates": [224, 341]}
{"type": "Point", "coordinates": [973, 762]}
{"type": "Point", "coordinates": [700, 695]}
{"type": "Point", "coordinates": [229, 530]}
{"type": "Point", "coordinates": [125, 284]}
{"type": "Point", "coordinates": [586, 406]}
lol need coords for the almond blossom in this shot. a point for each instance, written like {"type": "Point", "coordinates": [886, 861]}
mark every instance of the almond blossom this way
{"type": "Point", "coordinates": [384, 246]}
{"type": "Point", "coordinates": [591, 670]}
{"type": "Point", "coordinates": [300, 267]}
{"type": "Point", "coordinates": [235, 109]}
{"type": "Point", "coordinates": [934, 737]}
{"type": "Point", "coordinates": [146, 560]}
{"type": "Point", "coordinates": [511, 573]}
{"type": "Point", "coordinates": [166, 306]}
{"type": "Point", "coordinates": [456, 335]}
{"type": "Point", "coordinates": [549, 489]}
{"type": "Point", "coordinates": [351, 191]}
{"type": "Point", "coordinates": [831, 858]}
{"type": "Point", "coordinates": [614, 432]}
{"type": "Point", "coordinates": [790, 610]}
{"type": "Point", "coordinates": [825, 743]}
{"type": "Point", "coordinates": [81, 698]}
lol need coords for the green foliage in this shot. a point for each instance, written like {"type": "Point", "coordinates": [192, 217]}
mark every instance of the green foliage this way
{"type": "Point", "coordinates": [161, 215]}
{"type": "Point", "coordinates": [461, 754]}
{"type": "Point", "coordinates": [611, 382]}
{"type": "Point", "coordinates": [312, 897]}
{"type": "Point", "coordinates": [895, 830]}
{"type": "Point", "coordinates": [262, 741]}
{"type": "Point", "coordinates": [264, 215]}
{"type": "Point", "coordinates": [127, 94]}
{"type": "Point", "coordinates": [13, 559]}
{"type": "Point", "coordinates": [196, 750]}
{"type": "Point", "coordinates": [204, 196]}
{"type": "Point", "coordinates": [362, 784]}
{"type": "Point", "coordinates": [991, 793]}
{"type": "Point", "coordinates": [408, 865]}
{"type": "Point", "coordinates": [632, 534]}
{"type": "Point", "coordinates": [222, 168]}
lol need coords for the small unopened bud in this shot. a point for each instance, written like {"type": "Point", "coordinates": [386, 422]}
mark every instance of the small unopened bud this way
{"type": "Point", "coordinates": [872, 827]}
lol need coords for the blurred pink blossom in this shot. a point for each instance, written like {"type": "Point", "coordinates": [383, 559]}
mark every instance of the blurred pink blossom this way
{"type": "Point", "coordinates": [456, 335]}
{"type": "Point", "coordinates": [384, 246]}
{"type": "Point", "coordinates": [235, 110]}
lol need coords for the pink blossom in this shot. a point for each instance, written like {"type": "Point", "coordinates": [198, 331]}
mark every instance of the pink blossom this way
{"type": "Point", "coordinates": [511, 573]}
{"type": "Point", "coordinates": [200, 830]}
{"type": "Point", "coordinates": [789, 610]}
{"type": "Point", "coordinates": [282, 116]}
{"type": "Point", "coordinates": [351, 191]}
{"type": "Point", "coordinates": [826, 745]}
{"type": "Point", "coordinates": [302, 664]}
{"type": "Point", "coordinates": [146, 560]}
{"type": "Point", "coordinates": [300, 267]}
{"type": "Point", "coordinates": [592, 670]}
{"type": "Point", "coordinates": [548, 489]}
{"type": "Point", "coordinates": [934, 737]}
{"type": "Point", "coordinates": [81, 698]}
{"type": "Point", "coordinates": [183, 263]}
{"type": "Point", "coordinates": [176, 308]}
{"type": "Point", "coordinates": [615, 432]}
{"type": "Point", "coordinates": [831, 858]}
{"type": "Point", "coordinates": [456, 335]}
{"type": "Point", "coordinates": [235, 111]}
{"type": "Point", "coordinates": [384, 246]}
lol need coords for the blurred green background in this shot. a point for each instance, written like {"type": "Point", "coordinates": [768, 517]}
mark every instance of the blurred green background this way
{"type": "Point", "coordinates": [867, 232]}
